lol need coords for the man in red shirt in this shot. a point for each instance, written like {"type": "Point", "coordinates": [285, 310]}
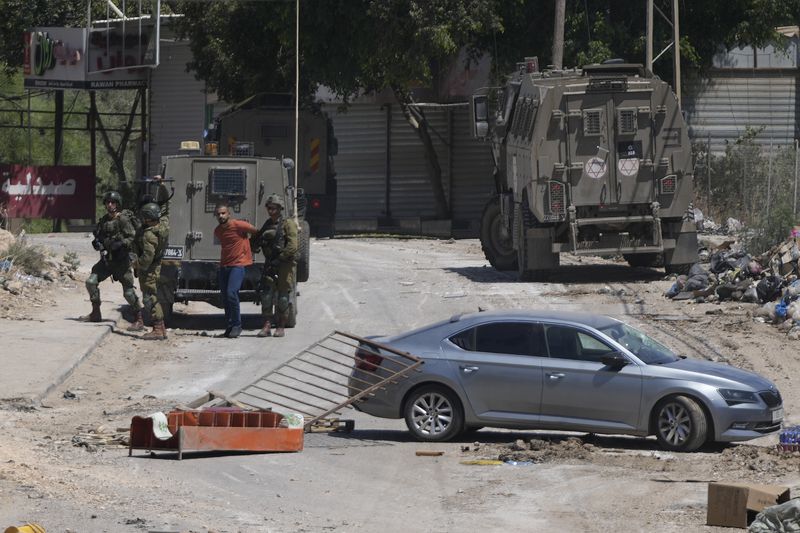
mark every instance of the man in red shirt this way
{"type": "Point", "coordinates": [234, 236]}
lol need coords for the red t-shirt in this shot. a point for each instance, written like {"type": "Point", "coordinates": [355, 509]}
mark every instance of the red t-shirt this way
{"type": "Point", "coordinates": [235, 240]}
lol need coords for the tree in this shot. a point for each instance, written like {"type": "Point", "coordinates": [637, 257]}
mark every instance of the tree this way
{"type": "Point", "coordinates": [349, 46]}
{"type": "Point", "coordinates": [603, 29]}
{"type": "Point", "coordinates": [241, 47]}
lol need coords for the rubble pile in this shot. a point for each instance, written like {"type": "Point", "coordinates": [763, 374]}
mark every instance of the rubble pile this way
{"type": "Point", "coordinates": [769, 280]}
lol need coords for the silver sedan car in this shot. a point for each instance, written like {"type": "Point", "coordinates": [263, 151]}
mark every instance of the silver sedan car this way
{"type": "Point", "coordinates": [562, 371]}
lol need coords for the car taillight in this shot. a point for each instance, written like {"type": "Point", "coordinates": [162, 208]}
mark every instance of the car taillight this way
{"type": "Point", "coordinates": [315, 203]}
{"type": "Point", "coordinates": [367, 360]}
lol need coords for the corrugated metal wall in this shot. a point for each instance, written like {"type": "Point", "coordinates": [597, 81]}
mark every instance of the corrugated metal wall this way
{"type": "Point", "coordinates": [472, 176]}
{"type": "Point", "coordinates": [412, 195]}
{"type": "Point", "coordinates": [361, 167]}
{"type": "Point", "coordinates": [177, 104]}
{"type": "Point", "coordinates": [360, 163]}
{"type": "Point", "coordinates": [723, 106]}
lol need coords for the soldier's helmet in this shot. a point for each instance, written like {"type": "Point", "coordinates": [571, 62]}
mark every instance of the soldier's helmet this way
{"type": "Point", "coordinates": [150, 211]}
{"type": "Point", "coordinates": [113, 196]}
{"type": "Point", "coordinates": [275, 199]}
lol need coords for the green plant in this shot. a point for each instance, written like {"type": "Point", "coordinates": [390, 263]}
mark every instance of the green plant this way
{"type": "Point", "coordinates": [30, 259]}
{"type": "Point", "coordinates": [752, 182]}
{"type": "Point", "coordinates": [72, 261]}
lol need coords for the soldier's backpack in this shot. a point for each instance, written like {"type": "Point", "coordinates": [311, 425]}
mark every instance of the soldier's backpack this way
{"type": "Point", "coordinates": [136, 222]}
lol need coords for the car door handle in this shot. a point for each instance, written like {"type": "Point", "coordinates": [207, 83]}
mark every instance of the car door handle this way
{"type": "Point", "coordinates": [469, 369]}
{"type": "Point", "coordinates": [555, 376]}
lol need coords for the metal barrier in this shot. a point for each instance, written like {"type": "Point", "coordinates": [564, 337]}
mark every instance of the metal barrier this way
{"type": "Point", "coordinates": [328, 376]}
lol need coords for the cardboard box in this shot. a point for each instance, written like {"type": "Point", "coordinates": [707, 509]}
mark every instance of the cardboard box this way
{"type": "Point", "coordinates": [737, 504]}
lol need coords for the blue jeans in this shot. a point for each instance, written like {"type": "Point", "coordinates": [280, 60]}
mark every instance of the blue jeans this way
{"type": "Point", "coordinates": [230, 281]}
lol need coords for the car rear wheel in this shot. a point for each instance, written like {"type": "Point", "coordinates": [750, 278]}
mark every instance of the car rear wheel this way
{"type": "Point", "coordinates": [433, 413]}
{"type": "Point", "coordinates": [681, 424]}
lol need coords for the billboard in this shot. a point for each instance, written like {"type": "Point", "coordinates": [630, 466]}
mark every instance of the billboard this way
{"type": "Point", "coordinates": [48, 191]}
{"type": "Point", "coordinates": [110, 57]}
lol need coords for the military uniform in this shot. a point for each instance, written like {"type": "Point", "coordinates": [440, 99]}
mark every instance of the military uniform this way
{"type": "Point", "coordinates": [113, 237]}
{"type": "Point", "coordinates": [149, 246]}
{"type": "Point", "coordinates": [279, 244]}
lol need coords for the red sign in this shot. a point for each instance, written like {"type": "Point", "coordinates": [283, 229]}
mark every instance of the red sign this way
{"type": "Point", "coordinates": [48, 192]}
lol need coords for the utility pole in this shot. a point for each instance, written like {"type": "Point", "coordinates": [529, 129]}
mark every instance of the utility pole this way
{"type": "Point", "coordinates": [649, 57]}
{"type": "Point", "coordinates": [675, 44]}
{"type": "Point", "coordinates": [558, 34]}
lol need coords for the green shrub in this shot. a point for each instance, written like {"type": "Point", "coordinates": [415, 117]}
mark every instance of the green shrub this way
{"type": "Point", "coordinates": [72, 261]}
{"type": "Point", "coordinates": [30, 259]}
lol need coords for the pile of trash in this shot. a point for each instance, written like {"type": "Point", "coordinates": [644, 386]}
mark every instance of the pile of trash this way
{"type": "Point", "coordinates": [770, 280]}
{"type": "Point", "coordinates": [707, 226]}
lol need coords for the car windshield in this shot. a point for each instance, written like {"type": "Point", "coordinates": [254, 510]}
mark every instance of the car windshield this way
{"type": "Point", "coordinates": [649, 350]}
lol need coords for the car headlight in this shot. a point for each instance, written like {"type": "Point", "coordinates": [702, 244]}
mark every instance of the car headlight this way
{"type": "Point", "coordinates": [735, 397]}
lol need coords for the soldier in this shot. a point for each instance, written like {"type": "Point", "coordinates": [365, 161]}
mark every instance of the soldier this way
{"type": "Point", "coordinates": [150, 243]}
{"type": "Point", "coordinates": [113, 238]}
{"type": "Point", "coordinates": [278, 240]}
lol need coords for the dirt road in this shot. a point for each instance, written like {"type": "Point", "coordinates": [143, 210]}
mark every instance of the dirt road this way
{"type": "Point", "coordinates": [371, 479]}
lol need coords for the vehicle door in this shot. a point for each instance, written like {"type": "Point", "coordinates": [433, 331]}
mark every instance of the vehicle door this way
{"type": "Point", "coordinates": [609, 140]}
{"type": "Point", "coordinates": [214, 180]}
{"type": "Point", "coordinates": [580, 392]}
{"type": "Point", "coordinates": [499, 366]}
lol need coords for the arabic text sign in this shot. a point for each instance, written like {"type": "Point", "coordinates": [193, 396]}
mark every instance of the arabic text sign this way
{"type": "Point", "coordinates": [48, 191]}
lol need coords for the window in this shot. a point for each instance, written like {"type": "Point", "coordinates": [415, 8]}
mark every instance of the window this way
{"type": "Point", "coordinates": [592, 122]}
{"type": "Point", "coordinates": [569, 343]}
{"type": "Point", "coordinates": [228, 181]}
{"type": "Point", "coordinates": [626, 121]}
{"type": "Point", "coordinates": [516, 338]}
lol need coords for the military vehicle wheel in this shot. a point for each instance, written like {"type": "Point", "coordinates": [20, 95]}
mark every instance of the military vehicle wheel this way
{"type": "Point", "coordinates": [644, 260]}
{"type": "Point", "coordinates": [303, 252]}
{"type": "Point", "coordinates": [291, 321]}
{"type": "Point", "coordinates": [322, 231]}
{"type": "Point", "coordinates": [495, 238]}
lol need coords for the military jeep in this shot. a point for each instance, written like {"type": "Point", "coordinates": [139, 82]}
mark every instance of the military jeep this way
{"type": "Point", "coordinates": [191, 260]}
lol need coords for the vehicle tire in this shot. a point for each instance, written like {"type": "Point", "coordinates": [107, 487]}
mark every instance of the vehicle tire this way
{"type": "Point", "coordinates": [680, 424]}
{"type": "Point", "coordinates": [324, 231]}
{"type": "Point", "coordinates": [496, 240]}
{"type": "Point", "coordinates": [291, 320]}
{"type": "Point", "coordinates": [303, 252]}
{"type": "Point", "coordinates": [644, 260]}
{"type": "Point", "coordinates": [433, 413]}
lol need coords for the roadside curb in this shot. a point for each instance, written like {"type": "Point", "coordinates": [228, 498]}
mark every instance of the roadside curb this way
{"type": "Point", "coordinates": [60, 379]}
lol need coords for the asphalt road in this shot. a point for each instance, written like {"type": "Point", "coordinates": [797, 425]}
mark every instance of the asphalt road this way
{"type": "Point", "coordinates": [370, 479]}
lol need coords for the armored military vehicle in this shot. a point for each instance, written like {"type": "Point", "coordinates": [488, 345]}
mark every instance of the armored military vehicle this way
{"type": "Point", "coordinates": [592, 161]}
{"type": "Point", "coordinates": [191, 261]}
{"type": "Point", "coordinates": [264, 125]}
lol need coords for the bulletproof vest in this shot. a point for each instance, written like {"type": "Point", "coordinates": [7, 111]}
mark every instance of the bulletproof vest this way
{"type": "Point", "coordinates": [110, 228]}
{"type": "Point", "coordinates": [272, 247]}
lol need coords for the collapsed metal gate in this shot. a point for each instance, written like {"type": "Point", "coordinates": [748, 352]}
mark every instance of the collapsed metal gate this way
{"type": "Point", "coordinates": [328, 376]}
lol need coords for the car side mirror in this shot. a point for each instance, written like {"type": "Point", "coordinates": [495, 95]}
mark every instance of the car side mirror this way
{"type": "Point", "coordinates": [614, 360]}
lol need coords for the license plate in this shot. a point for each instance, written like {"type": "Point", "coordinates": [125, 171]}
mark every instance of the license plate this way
{"type": "Point", "coordinates": [777, 415]}
{"type": "Point", "coordinates": [173, 252]}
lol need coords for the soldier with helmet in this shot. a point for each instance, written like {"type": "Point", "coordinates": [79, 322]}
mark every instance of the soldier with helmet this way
{"type": "Point", "coordinates": [113, 238]}
{"type": "Point", "coordinates": [278, 241]}
{"type": "Point", "coordinates": [149, 245]}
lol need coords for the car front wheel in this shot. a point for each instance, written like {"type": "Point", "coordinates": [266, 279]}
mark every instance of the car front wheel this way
{"type": "Point", "coordinates": [681, 424]}
{"type": "Point", "coordinates": [433, 413]}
